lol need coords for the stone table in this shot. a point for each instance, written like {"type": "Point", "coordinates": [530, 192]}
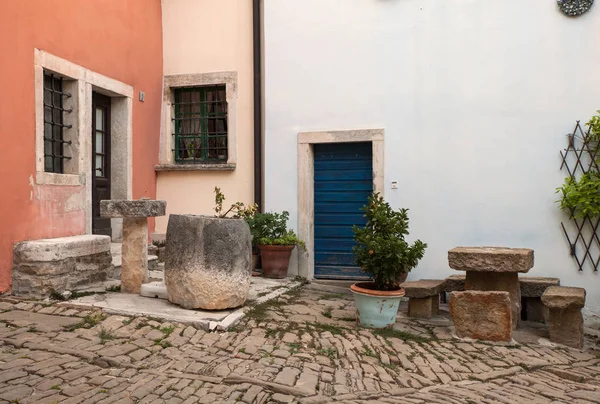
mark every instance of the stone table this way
{"type": "Point", "coordinates": [134, 267]}
{"type": "Point", "coordinates": [494, 269]}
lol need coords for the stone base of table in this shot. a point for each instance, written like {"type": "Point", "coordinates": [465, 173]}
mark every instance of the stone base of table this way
{"type": "Point", "coordinates": [424, 307]}
{"type": "Point", "coordinates": [134, 267]}
{"type": "Point", "coordinates": [482, 315]}
{"type": "Point", "coordinates": [498, 281]}
{"type": "Point", "coordinates": [535, 310]}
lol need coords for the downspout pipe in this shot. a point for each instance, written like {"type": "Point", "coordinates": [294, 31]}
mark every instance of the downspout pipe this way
{"type": "Point", "coordinates": [257, 67]}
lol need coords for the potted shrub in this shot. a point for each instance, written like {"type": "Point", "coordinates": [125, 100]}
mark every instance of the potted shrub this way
{"type": "Point", "coordinates": [276, 244]}
{"type": "Point", "coordinates": [382, 252]}
{"type": "Point", "coordinates": [258, 224]}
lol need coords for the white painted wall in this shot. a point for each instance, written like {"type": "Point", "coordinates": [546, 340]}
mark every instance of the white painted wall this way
{"type": "Point", "coordinates": [475, 98]}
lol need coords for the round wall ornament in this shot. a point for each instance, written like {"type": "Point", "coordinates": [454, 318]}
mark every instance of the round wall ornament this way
{"type": "Point", "coordinates": [574, 7]}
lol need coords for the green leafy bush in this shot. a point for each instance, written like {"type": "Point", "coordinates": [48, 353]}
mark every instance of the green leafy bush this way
{"type": "Point", "coordinates": [271, 229]}
{"type": "Point", "coordinates": [381, 250]}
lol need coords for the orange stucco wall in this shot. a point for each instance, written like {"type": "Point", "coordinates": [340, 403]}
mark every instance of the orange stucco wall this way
{"type": "Point", "coordinates": [121, 39]}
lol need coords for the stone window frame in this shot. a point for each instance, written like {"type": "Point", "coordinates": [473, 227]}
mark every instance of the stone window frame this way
{"type": "Point", "coordinates": [306, 181]}
{"type": "Point", "coordinates": [81, 83]}
{"type": "Point", "coordinates": [166, 156]}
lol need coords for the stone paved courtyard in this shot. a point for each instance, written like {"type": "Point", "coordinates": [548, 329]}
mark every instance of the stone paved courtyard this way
{"type": "Point", "coordinates": [302, 347]}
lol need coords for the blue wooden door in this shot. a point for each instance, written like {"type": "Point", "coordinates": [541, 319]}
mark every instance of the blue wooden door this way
{"type": "Point", "coordinates": [343, 182]}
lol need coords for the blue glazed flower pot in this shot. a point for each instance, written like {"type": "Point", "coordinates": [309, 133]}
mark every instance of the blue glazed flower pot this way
{"type": "Point", "coordinates": [375, 308]}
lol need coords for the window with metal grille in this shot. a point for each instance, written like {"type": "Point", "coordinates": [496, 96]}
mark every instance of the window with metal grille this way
{"type": "Point", "coordinates": [200, 124]}
{"type": "Point", "coordinates": [54, 151]}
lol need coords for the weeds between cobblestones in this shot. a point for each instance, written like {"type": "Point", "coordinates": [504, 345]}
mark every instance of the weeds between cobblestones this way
{"type": "Point", "coordinates": [284, 351]}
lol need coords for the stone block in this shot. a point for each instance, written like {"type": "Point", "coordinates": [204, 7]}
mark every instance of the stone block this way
{"type": "Point", "coordinates": [482, 315]}
{"type": "Point", "coordinates": [455, 283]}
{"type": "Point", "coordinates": [155, 290]}
{"type": "Point", "coordinates": [498, 281]}
{"type": "Point", "coordinates": [41, 267]}
{"type": "Point", "coordinates": [491, 259]}
{"type": "Point", "coordinates": [532, 286]}
{"type": "Point", "coordinates": [560, 297]}
{"type": "Point", "coordinates": [423, 307]}
{"type": "Point", "coordinates": [423, 288]}
{"type": "Point", "coordinates": [125, 208]}
{"type": "Point", "coordinates": [208, 262]}
{"type": "Point", "coordinates": [56, 249]}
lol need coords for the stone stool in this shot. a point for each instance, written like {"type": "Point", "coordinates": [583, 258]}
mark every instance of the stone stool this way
{"type": "Point", "coordinates": [424, 297]}
{"type": "Point", "coordinates": [455, 283]}
{"type": "Point", "coordinates": [134, 267]}
{"type": "Point", "coordinates": [494, 269]}
{"type": "Point", "coordinates": [566, 321]}
{"type": "Point", "coordinates": [532, 289]}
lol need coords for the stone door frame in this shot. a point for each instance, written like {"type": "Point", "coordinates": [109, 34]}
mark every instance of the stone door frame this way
{"type": "Point", "coordinates": [306, 180]}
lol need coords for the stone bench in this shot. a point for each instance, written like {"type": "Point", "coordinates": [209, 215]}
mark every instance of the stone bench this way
{"type": "Point", "coordinates": [135, 214]}
{"type": "Point", "coordinates": [41, 267]}
{"type": "Point", "coordinates": [455, 283]}
{"type": "Point", "coordinates": [532, 289]}
{"type": "Point", "coordinates": [565, 320]}
{"type": "Point", "coordinates": [493, 269]}
{"type": "Point", "coordinates": [423, 297]}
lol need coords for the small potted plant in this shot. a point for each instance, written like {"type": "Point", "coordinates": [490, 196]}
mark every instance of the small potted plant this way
{"type": "Point", "coordinates": [276, 243]}
{"type": "Point", "coordinates": [382, 252]}
{"type": "Point", "coordinates": [259, 224]}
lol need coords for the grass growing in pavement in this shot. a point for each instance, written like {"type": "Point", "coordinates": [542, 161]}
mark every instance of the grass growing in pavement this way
{"type": "Point", "coordinates": [403, 335]}
{"type": "Point", "coordinates": [333, 329]}
{"type": "Point", "coordinates": [294, 347]}
{"type": "Point", "coordinates": [105, 335]}
{"type": "Point", "coordinates": [327, 312]}
{"type": "Point", "coordinates": [114, 288]}
{"type": "Point", "coordinates": [330, 352]}
{"type": "Point", "coordinates": [88, 321]}
{"type": "Point", "coordinates": [369, 351]}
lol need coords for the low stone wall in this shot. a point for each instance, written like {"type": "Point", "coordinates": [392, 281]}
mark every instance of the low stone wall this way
{"type": "Point", "coordinates": [59, 264]}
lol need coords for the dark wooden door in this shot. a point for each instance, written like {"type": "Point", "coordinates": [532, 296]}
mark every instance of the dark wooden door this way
{"type": "Point", "coordinates": [100, 161]}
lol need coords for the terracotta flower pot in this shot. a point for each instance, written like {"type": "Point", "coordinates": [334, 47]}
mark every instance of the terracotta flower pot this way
{"type": "Point", "coordinates": [375, 308]}
{"type": "Point", "coordinates": [275, 260]}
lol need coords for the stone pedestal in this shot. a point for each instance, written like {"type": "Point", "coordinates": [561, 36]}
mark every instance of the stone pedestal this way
{"type": "Point", "coordinates": [565, 320]}
{"type": "Point", "coordinates": [134, 267]}
{"type": "Point", "coordinates": [482, 315]}
{"type": "Point", "coordinates": [494, 269]}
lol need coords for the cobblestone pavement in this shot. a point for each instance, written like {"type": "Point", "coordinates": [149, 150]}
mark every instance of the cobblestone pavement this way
{"type": "Point", "coordinates": [303, 347]}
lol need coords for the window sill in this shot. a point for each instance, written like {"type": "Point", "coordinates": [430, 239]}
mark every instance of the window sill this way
{"type": "Point", "coordinates": [71, 180]}
{"type": "Point", "coordinates": [195, 167]}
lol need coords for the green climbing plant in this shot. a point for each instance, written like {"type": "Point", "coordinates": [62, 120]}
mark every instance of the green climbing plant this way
{"type": "Point", "coordinates": [580, 197]}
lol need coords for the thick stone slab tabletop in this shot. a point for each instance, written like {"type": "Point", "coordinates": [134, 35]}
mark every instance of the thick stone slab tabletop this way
{"type": "Point", "coordinates": [114, 208]}
{"type": "Point", "coordinates": [491, 259]}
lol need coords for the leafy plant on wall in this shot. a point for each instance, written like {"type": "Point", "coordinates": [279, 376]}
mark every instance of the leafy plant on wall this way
{"type": "Point", "coordinates": [581, 196]}
{"type": "Point", "coordinates": [580, 193]}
